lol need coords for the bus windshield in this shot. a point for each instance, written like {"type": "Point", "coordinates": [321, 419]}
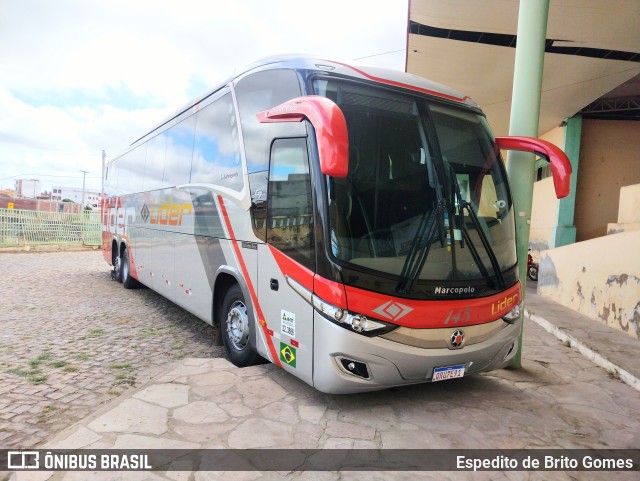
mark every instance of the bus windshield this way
{"type": "Point", "coordinates": [426, 196]}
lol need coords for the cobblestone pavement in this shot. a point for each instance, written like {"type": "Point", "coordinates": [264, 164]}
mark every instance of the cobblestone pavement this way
{"type": "Point", "coordinates": [558, 400]}
{"type": "Point", "coordinates": [71, 339]}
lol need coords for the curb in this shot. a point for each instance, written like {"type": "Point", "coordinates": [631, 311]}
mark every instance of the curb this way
{"type": "Point", "coordinates": [49, 248]}
{"type": "Point", "coordinates": [624, 375]}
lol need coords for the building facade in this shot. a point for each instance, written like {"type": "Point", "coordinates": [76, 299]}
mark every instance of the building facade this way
{"type": "Point", "coordinates": [28, 188]}
{"type": "Point", "coordinates": [91, 198]}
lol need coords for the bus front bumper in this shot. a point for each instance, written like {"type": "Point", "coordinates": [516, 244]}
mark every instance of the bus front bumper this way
{"type": "Point", "coordinates": [347, 362]}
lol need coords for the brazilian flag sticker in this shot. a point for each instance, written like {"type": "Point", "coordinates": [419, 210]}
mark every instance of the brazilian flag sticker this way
{"type": "Point", "coordinates": [288, 354]}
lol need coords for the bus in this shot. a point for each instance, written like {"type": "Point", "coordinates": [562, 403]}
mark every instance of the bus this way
{"type": "Point", "coordinates": [351, 224]}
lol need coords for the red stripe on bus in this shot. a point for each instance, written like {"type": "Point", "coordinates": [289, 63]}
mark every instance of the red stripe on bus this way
{"type": "Point", "coordinates": [330, 291]}
{"type": "Point", "coordinates": [416, 314]}
{"type": "Point", "coordinates": [433, 313]}
{"type": "Point", "coordinates": [404, 85]}
{"type": "Point", "coordinates": [327, 290]}
{"type": "Point", "coordinates": [293, 269]}
{"type": "Point", "coordinates": [261, 319]}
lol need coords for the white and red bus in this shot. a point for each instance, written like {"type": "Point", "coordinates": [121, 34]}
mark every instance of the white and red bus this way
{"type": "Point", "coordinates": [352, 225]}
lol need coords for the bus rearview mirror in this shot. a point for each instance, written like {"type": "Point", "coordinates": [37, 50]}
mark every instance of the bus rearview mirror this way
{"type": "Point", "coordinates": [560, 164]}
{"type": "Point", "coordinates": [330, 126]}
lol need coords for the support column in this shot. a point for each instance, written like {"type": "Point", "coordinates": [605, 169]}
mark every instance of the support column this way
{"type": "Point", "coordinates": [525, 113]}
{"type": "Point", "coordinates": [565, 231]}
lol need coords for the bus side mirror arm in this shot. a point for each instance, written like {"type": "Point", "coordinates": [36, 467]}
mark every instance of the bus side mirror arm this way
{"type": "Point", "coordinates": [330, 126]}
{"type": "Point", "coordinates": [560, 164]}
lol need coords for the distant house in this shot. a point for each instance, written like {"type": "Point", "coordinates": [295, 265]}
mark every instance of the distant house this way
{"type": "Point", "coordinates": [28, 188]}
{"type": "Point", "coordinates": [20, 203]}
{"type": "Point", "coordinates": [92, 198]}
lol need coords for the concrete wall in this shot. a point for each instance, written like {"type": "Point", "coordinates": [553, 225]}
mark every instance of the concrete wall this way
{"type": "Point", "coordinates": [40, 205]}
{"type": "Point", "coordinates": [628, 210]}
{"type": "Point", "coordinates": [609, 160]}
{"type": "Point", "coordinates": [555, 136]}
{"type": "Point", "coordinates": [544, 209]}
{"type": "Point", "coordinates": [599, 278]}
{"type": "Point", "coordinates": [609, 166]}
{"type": "Point", "coordinates": [544, 217]}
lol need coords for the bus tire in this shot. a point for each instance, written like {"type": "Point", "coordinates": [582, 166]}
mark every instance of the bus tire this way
{"type": "Point", "coordinates": [235, 325]}
{"type": "Point", "coordinates": [117, 269]}
{"type": "Point", "coordinates": [127, 281]}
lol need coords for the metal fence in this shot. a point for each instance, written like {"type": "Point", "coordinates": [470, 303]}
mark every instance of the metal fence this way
{"type": "Point", "coordinates": [31, 227]}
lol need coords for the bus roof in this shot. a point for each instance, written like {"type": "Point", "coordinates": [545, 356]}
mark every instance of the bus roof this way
{"type": "Point", "coordinates": [382, 75]}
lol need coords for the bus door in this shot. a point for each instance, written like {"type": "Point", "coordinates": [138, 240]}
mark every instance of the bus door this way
{"type": "Point", "coordinates": [287, 260]}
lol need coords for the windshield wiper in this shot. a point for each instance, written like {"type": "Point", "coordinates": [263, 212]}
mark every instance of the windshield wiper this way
{"type": "Point", "coordinates": [425, 235]}
{"type": "Point", "coordinates": [429, 225]}
{"type": "Point", "coordinates": [463, 204]}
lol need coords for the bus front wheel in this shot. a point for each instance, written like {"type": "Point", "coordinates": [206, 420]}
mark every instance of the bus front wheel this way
{"type": "Point", "coordinates": [236, 327]}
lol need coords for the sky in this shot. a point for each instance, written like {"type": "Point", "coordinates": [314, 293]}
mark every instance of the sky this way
{"type": "Point", "coordinates": [80, 76]}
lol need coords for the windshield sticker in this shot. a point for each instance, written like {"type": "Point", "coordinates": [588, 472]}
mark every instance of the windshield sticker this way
{"type": "Point", "coordinates": [288, 323]}
{"type": "Point", "coordinates": [463, 182]}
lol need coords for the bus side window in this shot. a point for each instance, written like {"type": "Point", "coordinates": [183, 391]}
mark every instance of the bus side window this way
{"type": "Point", "coordinates": [289, 204]}
{"type": "Point", "coordinates": [258, 188]}
{"type": "Point", "coordinates": [216, 153]}
{"type": "Point", "coordinates": [138, 159]}
{"type": "Point", "coordinates": [154, 164]}
{"type": "Point", "coordinates": [180, 139]}
{"type": "Point", "coordinates": [261, 91]}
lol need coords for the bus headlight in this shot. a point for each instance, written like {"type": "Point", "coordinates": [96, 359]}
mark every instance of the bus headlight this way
{"type": "Point", "coordinates": [329, 310]}
{"type": "Point", "coordinates": [355, 322]}
{"type": "Point", "coordinates": [514, 314]}
{"type": "Point", "coordinates": [362, 324]}
{"type": "Point", "coordinates": [343, 318]}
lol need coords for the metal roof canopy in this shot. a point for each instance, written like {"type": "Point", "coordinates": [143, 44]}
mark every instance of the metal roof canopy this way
{"type": "Point", "coordinates": [592, 47]}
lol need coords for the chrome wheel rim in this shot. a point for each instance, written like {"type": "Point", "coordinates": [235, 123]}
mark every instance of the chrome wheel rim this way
{"type": "Point", "coordinates": [238, 326]}
{"type": "Point", "coordinates": [125, 267]}
{"type": "Point", "coordinates": [118, 266]}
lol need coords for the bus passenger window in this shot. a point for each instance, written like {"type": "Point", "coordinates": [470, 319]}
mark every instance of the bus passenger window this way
{"type": "Point", "coordinates": [289, 204]}
{"type": "Point", "coordinates": [179, 151]}
{"type": "Point", "coordinates": [216, 153]}
{"type": "Point", "coordinates": [258, 187]}
{"type": "Point", "coordinates": [154, 165]}
{"type": "Point", "coordinates": [261, 91]}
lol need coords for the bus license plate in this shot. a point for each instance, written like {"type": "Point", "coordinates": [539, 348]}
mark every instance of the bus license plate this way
{"type": "Point", "coordinates": [448, 372]}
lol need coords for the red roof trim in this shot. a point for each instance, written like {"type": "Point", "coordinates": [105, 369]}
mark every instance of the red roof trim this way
{"type": "Point", "coordinates": [403, 85]}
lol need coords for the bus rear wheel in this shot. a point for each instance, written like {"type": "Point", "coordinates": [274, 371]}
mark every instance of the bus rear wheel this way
{"type": "Point", "coordinates": [127, 281]}
{"type": "Point", "coordinates": [117, 269]}
{"type": "Point", "coordinates": [236, 328]}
